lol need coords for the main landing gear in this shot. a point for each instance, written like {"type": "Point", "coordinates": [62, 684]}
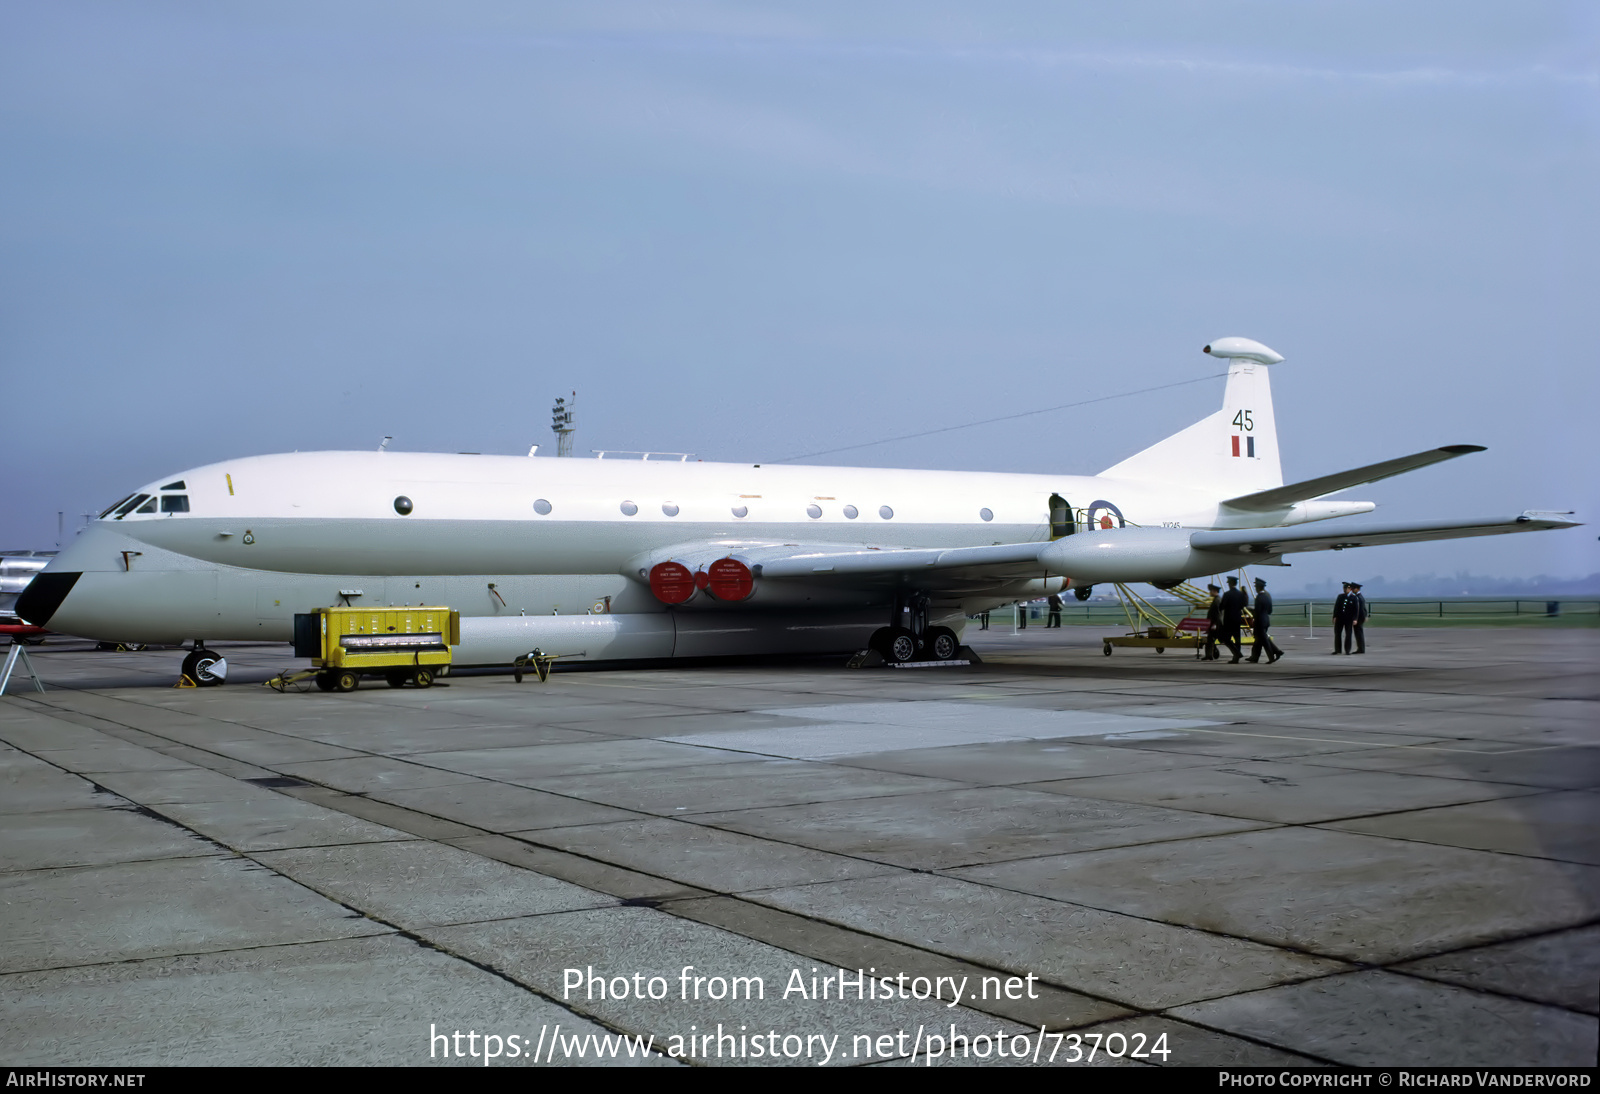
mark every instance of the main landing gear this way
{"type": "Point", "coordinates": [909, 638]}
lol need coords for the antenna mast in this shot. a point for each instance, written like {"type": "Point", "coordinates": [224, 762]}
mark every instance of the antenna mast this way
{"type": "Point", "coordinates": [561, 422]}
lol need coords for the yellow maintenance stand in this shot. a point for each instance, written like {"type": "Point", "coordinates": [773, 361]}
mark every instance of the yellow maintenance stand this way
{"type": "Point", "coordinates": [403, 645]}
{"type": "Point", "coordinates": [1150, 627]}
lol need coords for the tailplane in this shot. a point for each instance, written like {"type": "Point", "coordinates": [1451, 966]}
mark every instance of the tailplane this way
{"type": "Point", "coordinates": [1231, 452]}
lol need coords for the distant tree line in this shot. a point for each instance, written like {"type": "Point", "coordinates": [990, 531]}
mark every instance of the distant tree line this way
{"type": "Point", "coordinates": [1460, 584]}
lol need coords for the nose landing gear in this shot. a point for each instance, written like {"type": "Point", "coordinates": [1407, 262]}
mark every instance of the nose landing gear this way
{"type": "Point", "coordinates": [204, 668]}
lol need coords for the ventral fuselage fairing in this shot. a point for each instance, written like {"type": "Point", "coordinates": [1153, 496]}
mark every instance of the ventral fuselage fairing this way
{"type": "Point", "coordinates": [610, 559]}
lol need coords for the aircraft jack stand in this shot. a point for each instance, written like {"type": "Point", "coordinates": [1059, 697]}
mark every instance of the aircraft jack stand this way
{"type": "Point", "coordinates": [19, 655]}
{"type": "Point", "coordinates": [537, 661]}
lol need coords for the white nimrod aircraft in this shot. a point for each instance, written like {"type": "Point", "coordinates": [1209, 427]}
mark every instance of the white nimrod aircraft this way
{"type": "Point", "coordinates": [611, 559]}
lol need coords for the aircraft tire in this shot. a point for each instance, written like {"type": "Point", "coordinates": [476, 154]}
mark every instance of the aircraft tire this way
{"type": "Point", "coordinates": [940, 644]}
{"type": "Point", "coordinates": [880, 640]}
{"type": "Point", "coordinates": [901, 646]}
{"type": "Point", "coordinates": [196, 667]}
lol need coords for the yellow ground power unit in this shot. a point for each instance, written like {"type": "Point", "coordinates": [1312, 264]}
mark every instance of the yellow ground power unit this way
{"type": "Point", "coordinates": [402, 645]}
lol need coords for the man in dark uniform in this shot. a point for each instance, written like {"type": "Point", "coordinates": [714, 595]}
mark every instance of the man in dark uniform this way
{"type": "Point", "coordinates": [1262, 613]}
{"type": "Point", "coordinates": [1343, 609]}
{"type": "Point", "coordinates": [1213, 622]}
{"type": "Point", "coordinates": [1054, 619]}
{"type": "Point", "coordinates": [1233, 604]}
{"type": "Point", "coordinates": [1358, 616]}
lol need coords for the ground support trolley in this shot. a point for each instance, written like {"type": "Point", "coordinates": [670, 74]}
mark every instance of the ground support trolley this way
{"type": "Point", "coordinates": [401, 645]}
{"type": "Point", "coordinates": [1152, 628]}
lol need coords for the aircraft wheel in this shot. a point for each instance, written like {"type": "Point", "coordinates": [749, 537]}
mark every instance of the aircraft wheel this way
{"type": "Point", "coordinates": [396, 679]}
{"type": "Point", "coordinates": [197, 667]}
{"type": "Point", "coordinates": [902, 646]}
{"type": "Point", "coordinates": [346, 681]}
{"type": "Point", "coordinates": [880, 640]}
{"type": "Point", "coordinates": [1106, 649]}
{"type": "Point", "coordinates": [941, 644]}
{"type": "Point", "coordinates": [1161, 649]}
{"type": "Point", "coordinates": [422, 678]}
{"type": "Point", "coordinates": [325, 681]}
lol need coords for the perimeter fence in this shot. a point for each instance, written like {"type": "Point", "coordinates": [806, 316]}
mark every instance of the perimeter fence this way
{"type": "Point", "coordinates": [1299, 611]}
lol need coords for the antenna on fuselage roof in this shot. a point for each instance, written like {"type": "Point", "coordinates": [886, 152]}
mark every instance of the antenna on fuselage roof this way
{"type": "Point", "coordinates": [383, 445]}
{"type": "Point", "coordinates": [561, 421]}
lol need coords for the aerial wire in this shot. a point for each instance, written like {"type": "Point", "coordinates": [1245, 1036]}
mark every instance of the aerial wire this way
{"type": "Point", "coordinates": [1001, 418]}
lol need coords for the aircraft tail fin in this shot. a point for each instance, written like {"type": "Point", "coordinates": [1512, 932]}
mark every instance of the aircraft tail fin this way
{"type": "Point", "coordinates": [1231, 452]}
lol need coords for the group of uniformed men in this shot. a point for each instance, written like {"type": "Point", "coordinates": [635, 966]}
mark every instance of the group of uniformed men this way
{"type": "Point", "coordinates": [1225, 617]}
{"type": "Point", "coordinates": [1349, 613]}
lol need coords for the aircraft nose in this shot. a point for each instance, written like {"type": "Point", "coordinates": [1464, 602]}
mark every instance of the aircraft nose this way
{"type": "Point", "coordinates": [44, 594]}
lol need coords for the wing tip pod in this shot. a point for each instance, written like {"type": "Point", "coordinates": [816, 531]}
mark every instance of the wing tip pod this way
{"type": "Point", "coordinates": [1549, 518]}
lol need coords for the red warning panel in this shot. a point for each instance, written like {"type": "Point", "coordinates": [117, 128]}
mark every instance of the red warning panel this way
{"type": "Point", "coordinates": [671, 582]}
{"type": "Point", "coordinates": [730, 579]}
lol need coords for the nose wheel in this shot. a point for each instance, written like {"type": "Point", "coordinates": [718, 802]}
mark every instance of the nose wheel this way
{"type": "Point", "coordinates": [205, 668]}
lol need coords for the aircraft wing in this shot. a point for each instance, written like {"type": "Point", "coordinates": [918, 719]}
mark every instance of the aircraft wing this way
{"type": "Point", "coordinates": [1280, 497]}
{"type": "Point", "coordinates": [1122, 554]}
{"type": "Point", "coordinates": [1277, 541]}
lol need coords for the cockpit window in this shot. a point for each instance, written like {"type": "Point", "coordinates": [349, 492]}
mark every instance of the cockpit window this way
{"type": "Point", "coordinates": [175, 486]}
{"type": "Point", "coordinates": [147, 507]}
{"type": "Point", "coordinates": [174, 503]}
{"type": "Point", "coordinates": [132, 503]}
{"type": "Point", "coordinates": [113, 507]}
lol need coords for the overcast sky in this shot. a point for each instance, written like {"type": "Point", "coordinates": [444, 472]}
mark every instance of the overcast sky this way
{"type": "Point", "coordinates": [753, 231]}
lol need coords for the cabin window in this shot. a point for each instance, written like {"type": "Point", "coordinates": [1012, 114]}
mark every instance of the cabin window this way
{"type": "Point", "coordinates": [147, 507]}
{"type": "Point", "coordinates": [741, 511]}
{"type": "Point", "coordinates": [131, 504]}
{"type": "Point", "coordinates": [813, 511]}
{"type": "Point", "coordinates": [542, 507]}
{"type": "Point", "coordinates": [402, 505]}
{"type": "Point", "coordinates": [669, 509]}
{"type": "Point", "coordinates": [885, 512]}
{"type": "Point", "coordinates": [629, 509]}
{"type": "Point", "coordinates": [986, 514]}
{"type": "Point", "coordinates": [174, 503]}
{"type": "Point", "coordinates": [175, 486]}
{"type": "Point", "coordinates": [852, 512]}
